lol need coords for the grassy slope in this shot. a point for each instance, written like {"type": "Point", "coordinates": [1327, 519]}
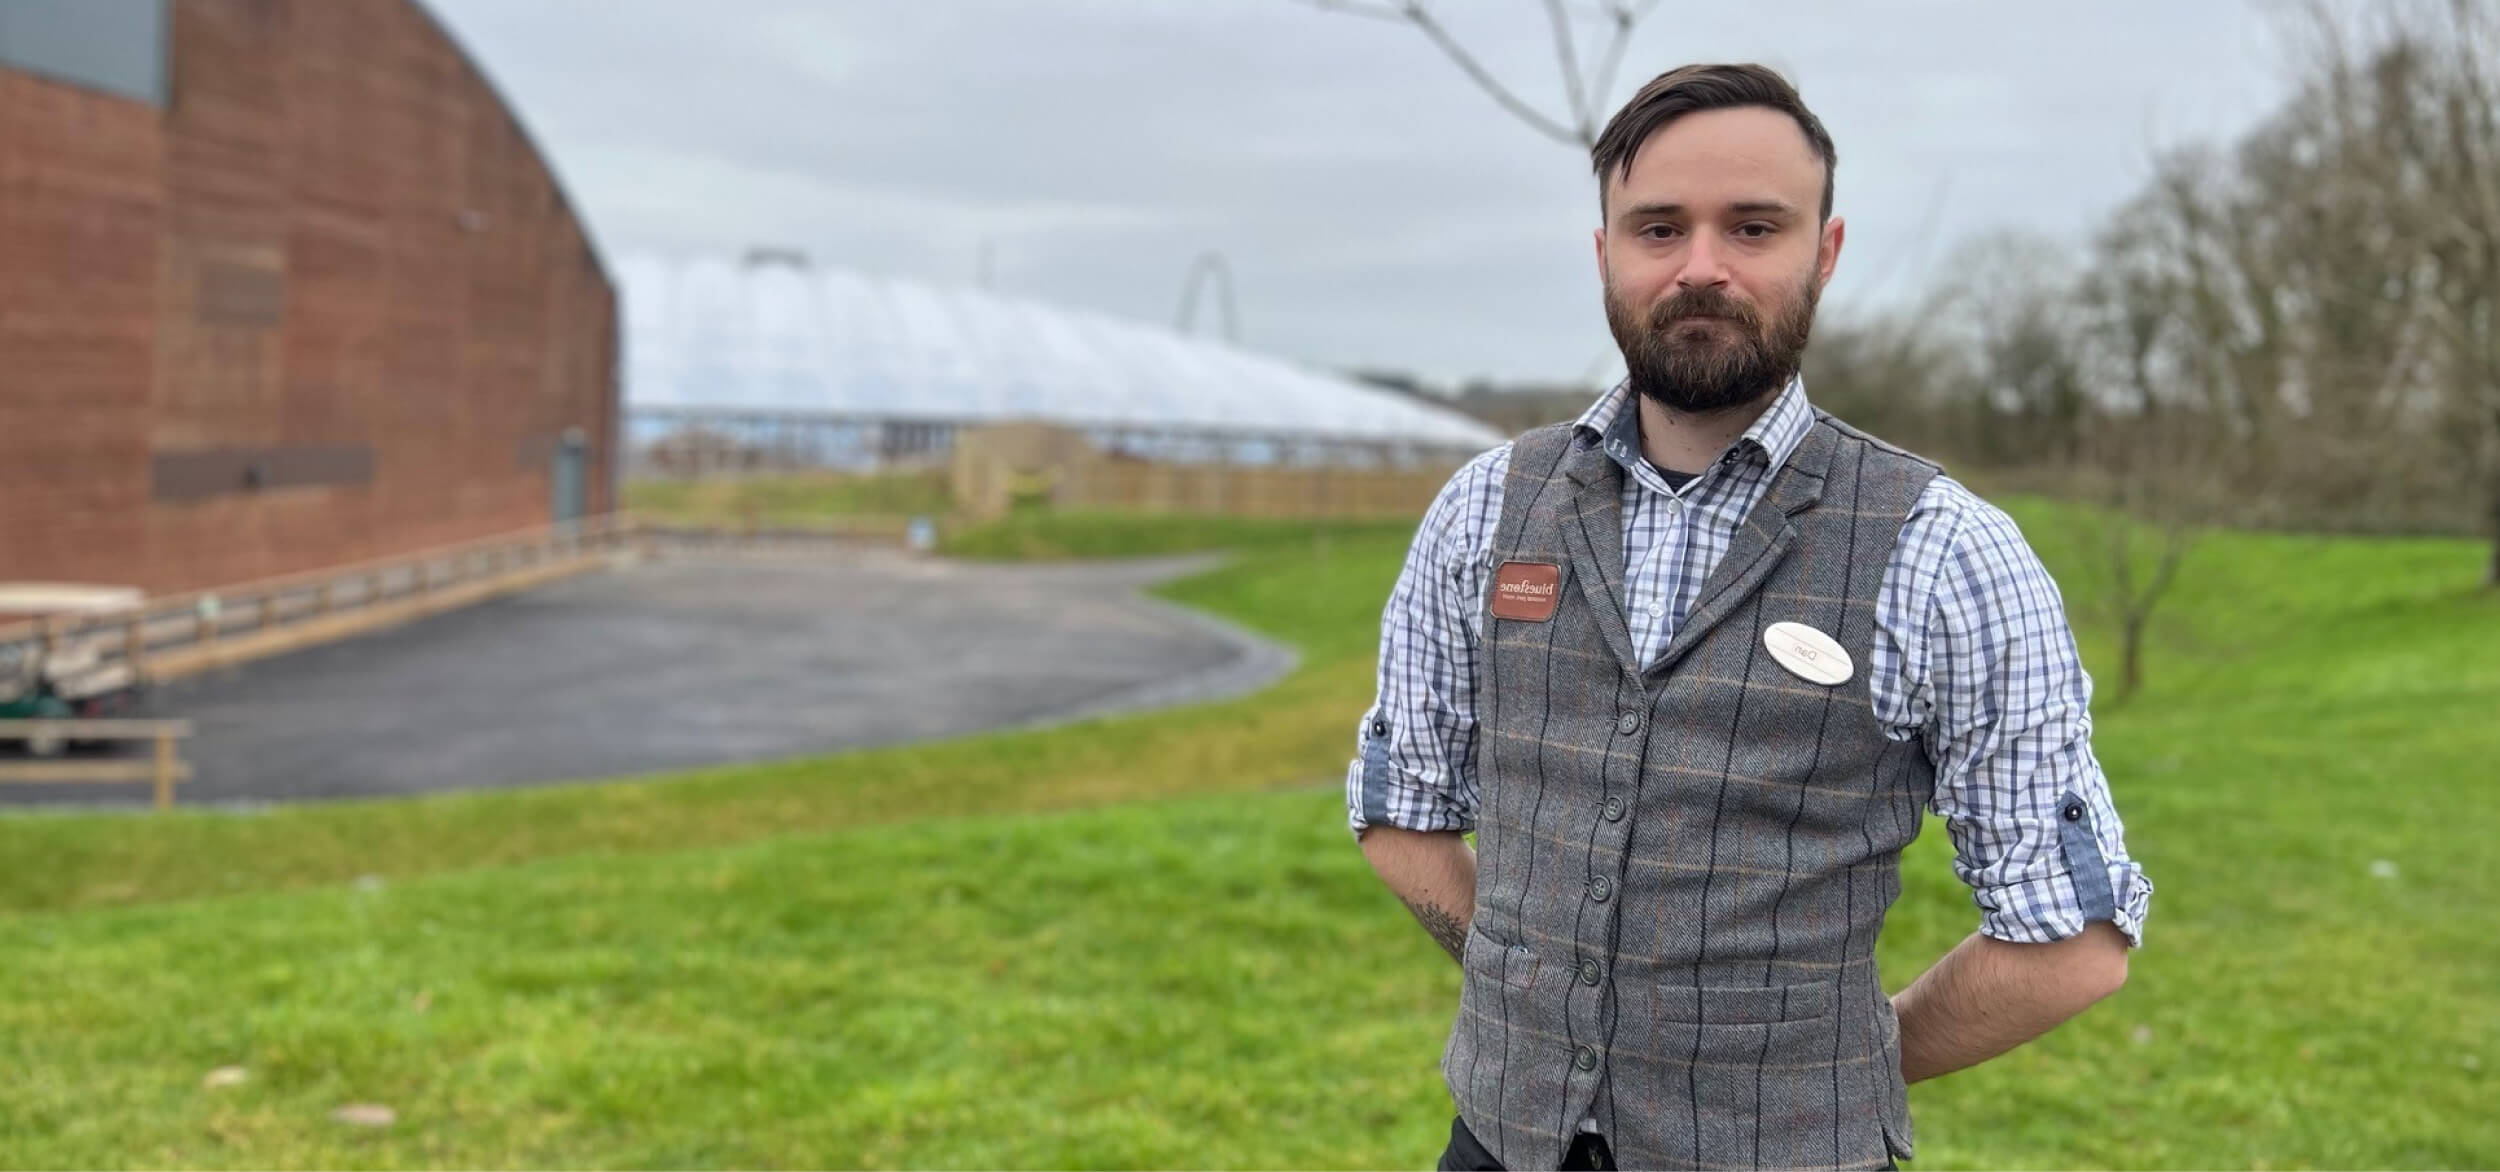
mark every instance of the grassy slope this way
{"type": "Point", "coordinates": [1216, 979]}
{"type": "Point", "coordinates": [791, 500]}
{"type": "Point", "coordinates": [1321, 591]}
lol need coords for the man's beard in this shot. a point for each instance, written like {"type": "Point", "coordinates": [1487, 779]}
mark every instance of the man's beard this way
{"type": "Point", "coordinates": [1712, 366]}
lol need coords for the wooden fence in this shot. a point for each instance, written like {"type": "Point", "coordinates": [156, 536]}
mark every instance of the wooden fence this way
{"type": "Point", "coordinates": [179, 635]}
{"type": "Point", "coordinates": [184, 634]}
{"type": "Point", "coordinates": [164, 768]}
{"type": "Point", "coordinates": [999, 467]}
{"type": "Point", "coordinates": [1247, 491]}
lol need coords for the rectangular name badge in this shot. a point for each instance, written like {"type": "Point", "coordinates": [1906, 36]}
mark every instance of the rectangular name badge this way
{"type": "Point", "coordinates": [1527, 591]}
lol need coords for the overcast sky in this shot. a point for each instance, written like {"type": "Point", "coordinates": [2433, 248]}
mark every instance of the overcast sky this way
{"type": "Point", "coordinates": [1376, 208]}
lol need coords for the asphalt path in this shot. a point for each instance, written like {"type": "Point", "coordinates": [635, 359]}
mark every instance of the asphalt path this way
{"type": "Point", "coordinates": [684, 663]}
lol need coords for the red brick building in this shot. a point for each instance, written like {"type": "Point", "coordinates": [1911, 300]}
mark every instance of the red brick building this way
{"type": "Point", "coordinates": [283, 284]}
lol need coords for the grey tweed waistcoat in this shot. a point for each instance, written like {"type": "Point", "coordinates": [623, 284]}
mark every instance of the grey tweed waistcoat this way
{"type": "Point", "coordinates": [1682, 865]}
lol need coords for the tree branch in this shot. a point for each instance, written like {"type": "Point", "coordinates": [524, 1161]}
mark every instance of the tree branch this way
{"type": "Point", "coordinates": [1625, 15]}
{"type": "Point", "coordinates": [1485, 80]}
{"type": "Point", "coordinates": [1586, 93]}
{"type": "Point", "coordinates": [1569, 57]}
{"type": "Point", "coordinates": [1398, 13]}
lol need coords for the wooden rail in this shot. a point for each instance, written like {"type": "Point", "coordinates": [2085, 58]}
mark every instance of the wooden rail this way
{"type": "Point", "coordinates": [165, 768]}
{"type": "Point", "coordinates": [178, 635]}
{"type": "Point", "coordinates": [662, 538]}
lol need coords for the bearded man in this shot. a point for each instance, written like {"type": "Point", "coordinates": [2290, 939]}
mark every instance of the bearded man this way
{"type": "Point", "coordinates": [1691, 668]}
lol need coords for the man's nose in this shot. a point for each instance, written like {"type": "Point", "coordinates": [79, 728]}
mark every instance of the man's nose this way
{"type": "Point", "coordinates": [1703, 267]}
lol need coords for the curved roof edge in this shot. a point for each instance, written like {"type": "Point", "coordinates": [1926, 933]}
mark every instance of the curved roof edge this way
{"type": "Point", "coordinates": [712, 332]}
{"type": "Point", "coordinates": [521, 126]}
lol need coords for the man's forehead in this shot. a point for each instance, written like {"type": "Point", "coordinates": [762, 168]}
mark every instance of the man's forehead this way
{"type": "Point", "coordinates": [1709, 156]}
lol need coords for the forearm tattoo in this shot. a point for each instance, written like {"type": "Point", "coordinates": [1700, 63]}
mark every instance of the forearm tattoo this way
{"type": "Point", "coordinates": [1448, 930]}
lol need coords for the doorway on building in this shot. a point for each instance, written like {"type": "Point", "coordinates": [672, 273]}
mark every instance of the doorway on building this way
{"type": "Point", "coordinates": [572, 476]}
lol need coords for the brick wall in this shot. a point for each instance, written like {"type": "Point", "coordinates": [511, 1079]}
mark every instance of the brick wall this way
{"type": "Point", "coordinates": [333, 237]}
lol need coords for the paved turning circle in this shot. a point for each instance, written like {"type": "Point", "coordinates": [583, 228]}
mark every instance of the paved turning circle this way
{"type": "Point", "coordinates": [686, 663]}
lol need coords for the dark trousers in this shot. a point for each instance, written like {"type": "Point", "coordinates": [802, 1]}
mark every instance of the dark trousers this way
{"type": "Point", "coordinates": [1588, 1152]}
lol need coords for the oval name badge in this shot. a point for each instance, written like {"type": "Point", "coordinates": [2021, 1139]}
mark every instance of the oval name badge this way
{"type": "Point", "coordinates": [1812, 655]}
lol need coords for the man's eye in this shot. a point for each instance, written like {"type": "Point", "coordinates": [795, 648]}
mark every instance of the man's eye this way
{"type": "Point", "coordinates": [1658, 231]}
{"type": "Point", "coordinates": [1754, 231]}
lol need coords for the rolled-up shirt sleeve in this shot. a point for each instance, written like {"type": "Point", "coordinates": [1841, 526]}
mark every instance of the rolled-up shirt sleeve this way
{"type": "Point", "coordinates": [2035, 833]}
{"type": "Point", "coordinates": [1415, 751]}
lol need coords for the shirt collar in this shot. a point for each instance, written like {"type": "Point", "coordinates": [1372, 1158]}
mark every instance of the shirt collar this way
{"type": "Point", "coordinates": [1614, 423]}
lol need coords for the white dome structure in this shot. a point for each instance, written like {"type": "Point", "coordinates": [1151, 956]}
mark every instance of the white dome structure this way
{"type": "Point", "coordinates": [774, 334]}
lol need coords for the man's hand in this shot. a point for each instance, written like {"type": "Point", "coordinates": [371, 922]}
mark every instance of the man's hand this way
{"type": "Point", "coordinates": [1434, 872]}
{"type": "Point", "coordinates": [1988, 996]}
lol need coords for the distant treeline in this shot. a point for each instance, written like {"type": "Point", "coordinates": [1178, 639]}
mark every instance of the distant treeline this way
{"type": "Point", "coordinates": [2300, 329]}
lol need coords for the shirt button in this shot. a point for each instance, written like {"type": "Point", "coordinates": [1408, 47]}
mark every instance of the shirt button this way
{"type": "Point", "coordinates": [1628, 723]}
{"type": "Point", "coordinates": [1600, 887]}
{"type": "Point", "coordinates": [1614, 809]}
{"type": "Point", "coordinates": [2074, 812]}
{"type": "Point", "coordinates": [1380, 728]}
{"type": "Point", "coordinates": [1657, 610]}
{"type": "Point", "coordinates": [1586, 1059]}
{"type": "Point", "coordinates": [1589, 972]}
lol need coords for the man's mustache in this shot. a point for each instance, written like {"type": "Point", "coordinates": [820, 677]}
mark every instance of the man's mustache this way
{"type": "Point", "coordinates": [1692, 303]}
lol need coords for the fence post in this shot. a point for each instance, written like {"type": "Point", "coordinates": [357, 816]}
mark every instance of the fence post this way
{"type": "Point", "coordinates": [164, 770]}
{"type": "Point", "coordinates": [135, 645]}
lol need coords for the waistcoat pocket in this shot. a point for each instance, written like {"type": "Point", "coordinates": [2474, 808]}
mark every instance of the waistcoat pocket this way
{"type": "Point", "coordinates": [1763, 1076]}
{"type": "Point", "coordinates": [1513, 965]}
{"type": "Point", "coordinates": [1743, 1004]}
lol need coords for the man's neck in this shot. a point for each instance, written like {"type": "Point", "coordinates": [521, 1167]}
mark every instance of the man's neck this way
{"type": "Point", "coordinates": [1682, 441]}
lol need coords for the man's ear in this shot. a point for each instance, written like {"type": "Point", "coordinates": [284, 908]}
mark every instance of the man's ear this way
{"type": "Point", "coordinates": [1827, 252]}
{"type": "Point", "coordinates": [1600, 237]}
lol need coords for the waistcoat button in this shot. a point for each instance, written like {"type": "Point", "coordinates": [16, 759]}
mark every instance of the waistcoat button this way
{"type": "Point", "coordinates": [1588, 972]}
{"type": "Point", "coordinates": [1614, 809]}
{"type": "Point", "coordinates": [1586, 1059]}
{"type": "Point", "coordinates": [1600, 887]}
{"type": "Point", "coordinates": [1628, 723]}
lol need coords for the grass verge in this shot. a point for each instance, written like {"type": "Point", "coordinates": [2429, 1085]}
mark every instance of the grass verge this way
{"type": "Point", "coordinates": [885, 958]}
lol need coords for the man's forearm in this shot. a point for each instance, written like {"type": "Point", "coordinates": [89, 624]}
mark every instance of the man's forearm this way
{"type": "Point", "coordinates": [1434, 872]}
{"type": "Point", "coordinates": [1987, 997]}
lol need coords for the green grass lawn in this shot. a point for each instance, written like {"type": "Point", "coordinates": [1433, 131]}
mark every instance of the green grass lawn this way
{"type": "Point", "coordinates": [826, 498]}
{"type": "Point", "coordinates": [1148, 941]}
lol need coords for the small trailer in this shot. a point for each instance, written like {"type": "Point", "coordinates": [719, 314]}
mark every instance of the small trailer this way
{"type": "Point", "coordinates": [67, 675]}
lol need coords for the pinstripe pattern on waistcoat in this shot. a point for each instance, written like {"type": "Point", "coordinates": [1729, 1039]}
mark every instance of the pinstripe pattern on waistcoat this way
{"type": "Point", "coordinates": [1973, 660]}
{"type": "Point", "coordinates": [1677, 903]}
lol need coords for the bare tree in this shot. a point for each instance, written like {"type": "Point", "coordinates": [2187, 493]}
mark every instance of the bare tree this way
{"type": "Point", "coordinates": [2013, 309]}
{"type": "Point", "coordinates": [2140, 483]}
{"type": "Point", "coordinates": [2152, 456]}
{"type": "Point", "coordinates": [2398, 128]}
{"type": "Point", "coordinates": [1896, 375]}
{"type": "Point", "coordinates": [1588, 80]}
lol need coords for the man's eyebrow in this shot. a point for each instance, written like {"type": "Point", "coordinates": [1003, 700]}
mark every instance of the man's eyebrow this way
{"type": "Point", "coordinates": [1746, 207]}
{"type": "Point", "coordinates": [1762, 207]}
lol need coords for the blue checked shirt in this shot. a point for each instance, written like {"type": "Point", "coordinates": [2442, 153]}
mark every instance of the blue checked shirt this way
{"type": "Point", "coordinates": [1972, 656]}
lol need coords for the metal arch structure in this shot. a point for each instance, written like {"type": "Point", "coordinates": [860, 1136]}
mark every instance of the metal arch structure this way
{"type": "Point", "coordinates": [1210, 266]}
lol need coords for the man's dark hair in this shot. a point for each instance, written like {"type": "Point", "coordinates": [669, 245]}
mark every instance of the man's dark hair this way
{"type": "Point", "coordinates": [1692, 89]}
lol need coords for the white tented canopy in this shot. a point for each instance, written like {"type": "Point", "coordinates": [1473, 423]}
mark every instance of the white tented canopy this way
{"type": "Point", "coordinates": [782, 336]}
